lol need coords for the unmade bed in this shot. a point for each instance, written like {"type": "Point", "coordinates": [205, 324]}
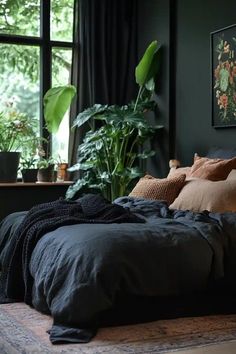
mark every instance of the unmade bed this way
{"type": "Point", "coordinates": [77, 271]}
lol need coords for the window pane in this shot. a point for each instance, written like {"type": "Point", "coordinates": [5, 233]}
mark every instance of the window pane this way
{"type": "Point", "coordinates": [19, 80]}
{"type": "Point", "coordinates": [62, 20]}
{"type": "Point", "coordinates": [15, 15]}
{"type": "Point", "coordinates": [61, 71]}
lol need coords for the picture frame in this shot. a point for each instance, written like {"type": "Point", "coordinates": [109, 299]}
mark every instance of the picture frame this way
{"type": "Point", "coordinates": [223, 77]}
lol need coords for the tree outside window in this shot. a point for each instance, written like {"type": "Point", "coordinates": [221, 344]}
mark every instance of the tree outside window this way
{"type": "Point", "coordinates": [36, 52]}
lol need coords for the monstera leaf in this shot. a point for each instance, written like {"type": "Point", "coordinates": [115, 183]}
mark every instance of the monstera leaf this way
{"type": "Point", "coordinates": [56, 101]}
{"type": "Point", "coordinates": [88, 113]}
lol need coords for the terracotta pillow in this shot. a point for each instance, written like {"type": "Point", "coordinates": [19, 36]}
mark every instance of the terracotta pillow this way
{"type": "Point", "coordinates": [166, 189]}
{"type": "Point", "coordinates": [201, 194]}
{"type": "Point", "coordinates": [212, 169]}
{"type": "Point", "coordinates": [174, 172]}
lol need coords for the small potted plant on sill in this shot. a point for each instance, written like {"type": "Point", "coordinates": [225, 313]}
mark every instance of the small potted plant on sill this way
{"type": "Point", "coordinates": [29, 169]}
{"type": "Point", "coordinates": [16, 130]}
{"type": "Point", "coordinates": [46, 167]}
{"type": "Point", "coordinates": [30, 158]}
{"type": "Point", "coordinates": [62, 174]}
{"type": "Point", "coordinates": [62, 166]}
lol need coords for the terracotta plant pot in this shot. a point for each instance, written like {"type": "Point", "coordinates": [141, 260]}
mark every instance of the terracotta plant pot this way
{"type": "Point", "coordinates": [62, 171]}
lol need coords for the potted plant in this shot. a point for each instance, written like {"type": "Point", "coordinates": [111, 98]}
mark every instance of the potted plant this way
{"type": "Point", "coordinates": [30, 158]}
{"type": "Point", "coordinates": [62, 167]}
{"type": "Point", "coordinates": [51, 169]}
{"type": "Point", "coordinates": [46, 165]}
{"type": "Point", "coordinates": [110, 155]}
{"type": "Point", "coordinates": [46, 170]}
{"type": "Point", "coordinates": [16, 129]}
{"type": "Point", "coordinates": [29, 169]}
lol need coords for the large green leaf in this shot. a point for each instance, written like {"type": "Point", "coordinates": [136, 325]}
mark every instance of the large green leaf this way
{"type": "Point", "coordinates": [132, 172]}
{"type": "Point", "coordinates": [88, 113]}
{"type": "Point", "coordinates": [82, 166]}
{"type": "Point", "coordinates": [150, 85]}
{"type": "Point", "coordinates": [154, 68]}
{"type": "Point", "coordinates": [148, 66]}
{"type": "Point", "coordinates": [146, 153]}
{"type": "Point", "coordinates": [76, 187]}
{"type": "Point", "coordinates": [57, 100]}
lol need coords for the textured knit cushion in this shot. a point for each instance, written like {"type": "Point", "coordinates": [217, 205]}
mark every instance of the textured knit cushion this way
{"type": "Point", "coordinates": [162, 189]}
{"type": "Point", "coordinates": [212, 169]}
{"type": "Point", "coordinates": [201, 194]}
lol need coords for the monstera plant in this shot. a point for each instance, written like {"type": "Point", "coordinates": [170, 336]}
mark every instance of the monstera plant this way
{"type": "Point", "coordinates": [110, 153]}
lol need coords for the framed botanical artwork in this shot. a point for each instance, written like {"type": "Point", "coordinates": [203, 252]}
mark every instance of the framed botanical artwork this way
{"type": "Point", "coordinates": [223, 77]}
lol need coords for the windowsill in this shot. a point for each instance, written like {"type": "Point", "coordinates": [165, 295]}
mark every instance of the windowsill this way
{"type": "Point", "coordinates": [36, 184]}
{"type": "Point", "coordinates": [21, 196]}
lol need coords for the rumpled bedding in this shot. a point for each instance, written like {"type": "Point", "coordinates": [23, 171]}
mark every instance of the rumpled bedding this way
{"type": "Point", "coordinates": [79, 271]}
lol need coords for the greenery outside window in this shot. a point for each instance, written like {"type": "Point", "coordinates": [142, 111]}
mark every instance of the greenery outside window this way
{"type": "Point", "coordinates": [36, 44]}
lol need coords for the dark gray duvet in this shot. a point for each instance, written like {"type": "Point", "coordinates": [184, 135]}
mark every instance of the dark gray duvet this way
{"type": "Point", "coordinates": [80, 270]}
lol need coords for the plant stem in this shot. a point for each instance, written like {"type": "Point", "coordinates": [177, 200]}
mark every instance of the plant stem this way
{"type": "Point", "coordinates": [131, 159]}
{"type": "Point", "coordinates": [106, 151]}
{"type": "Point", "coordinates": [124, 144]}
{"type": "Point", "coordinates": [138, 96]}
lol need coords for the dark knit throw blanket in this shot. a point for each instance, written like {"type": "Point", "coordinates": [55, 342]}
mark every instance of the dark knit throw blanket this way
{"type": "Point", "coordinates": [16, 281]}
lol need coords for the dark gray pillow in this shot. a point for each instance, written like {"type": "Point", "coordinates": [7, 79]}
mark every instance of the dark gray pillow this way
{"type": "Point", "coordinates": [221, 153]}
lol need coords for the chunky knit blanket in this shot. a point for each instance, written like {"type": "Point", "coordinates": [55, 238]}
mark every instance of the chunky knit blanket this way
{"type": "Point", "coordinates": [16, 282]}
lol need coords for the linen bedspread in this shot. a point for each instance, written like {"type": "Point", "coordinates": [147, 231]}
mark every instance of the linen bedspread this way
{"type": "Point", "coordinates": [79, 270]}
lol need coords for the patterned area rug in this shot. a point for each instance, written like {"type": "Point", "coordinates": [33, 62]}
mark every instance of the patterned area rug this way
{"type": "Point", "coordinates": [23, 330]}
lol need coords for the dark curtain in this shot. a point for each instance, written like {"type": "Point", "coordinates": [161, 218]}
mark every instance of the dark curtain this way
{"type": "Point", "coordinates": [105, 57]}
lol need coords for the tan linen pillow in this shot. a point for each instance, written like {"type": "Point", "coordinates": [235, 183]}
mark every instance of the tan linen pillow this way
{"type": "Point", "coordinates": [174, 172]}
{"type": "Point", "coordinates": [201, 194]}
{"type": "Point", "coordinates": [212, 169]}
{"type": "Point", "coordinates": [232, 175]}
{"type": "Point", "coordinates": [166, 189]}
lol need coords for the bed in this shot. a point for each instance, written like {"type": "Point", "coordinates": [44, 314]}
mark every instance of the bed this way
{"type": "Point", "coordinates": [83, 268]}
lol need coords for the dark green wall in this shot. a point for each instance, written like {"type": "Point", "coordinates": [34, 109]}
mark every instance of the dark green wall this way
{"type": "Point", "coordinates": [183, 27]}
{"type": "Point", "coordinates": [154, 24]}
{"type": "Point", "coordinates": [195, 21]}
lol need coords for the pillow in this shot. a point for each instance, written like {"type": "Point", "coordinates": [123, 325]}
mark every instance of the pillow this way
{"type": "Point", "coordinates": [201, 194]}
{"type": "Point", "coordinates": [166, 189]}
{"type": "Point", "coordinates": [232, 175]}
{"type": "Point", "coordinates": [212, 169]}
{"type": "Point", "coordinates": [174, 172]}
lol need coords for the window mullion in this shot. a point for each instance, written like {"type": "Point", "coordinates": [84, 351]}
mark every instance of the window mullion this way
{"type": "Point", "coordinates": [45, 62]}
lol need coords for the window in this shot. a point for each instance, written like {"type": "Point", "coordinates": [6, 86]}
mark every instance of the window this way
{"type": "Point", "coordinates": [36, 44]}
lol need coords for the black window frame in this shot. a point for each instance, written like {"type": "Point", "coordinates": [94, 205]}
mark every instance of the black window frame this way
{"type": "Point", "coordinates": [45, 44]}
